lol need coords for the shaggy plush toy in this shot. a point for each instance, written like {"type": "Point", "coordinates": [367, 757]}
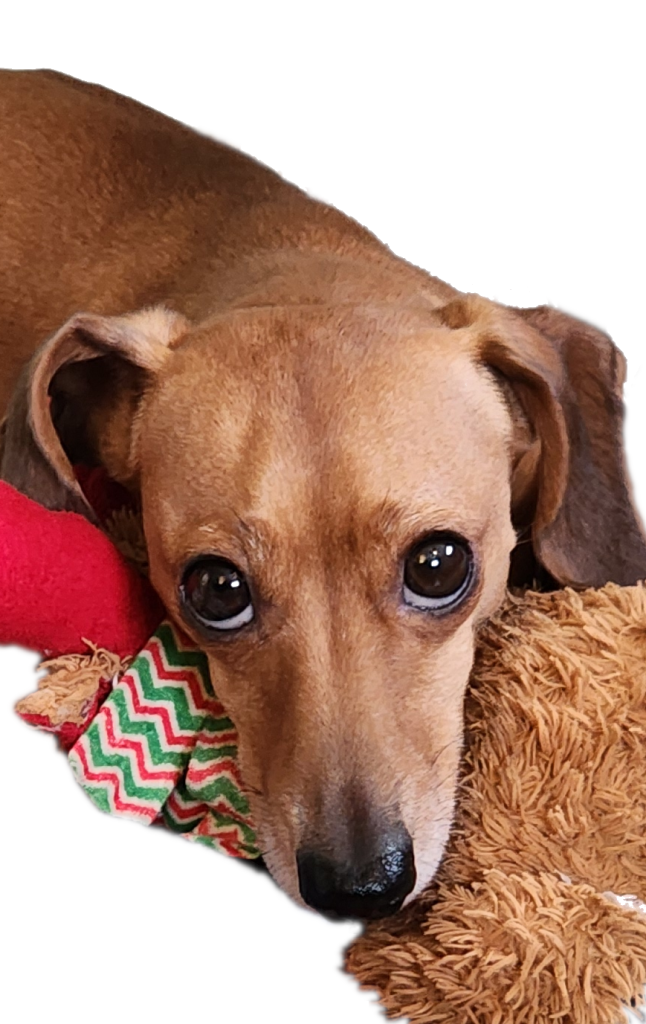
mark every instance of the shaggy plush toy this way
{"type": "Point", "coordinates": [535, 915]}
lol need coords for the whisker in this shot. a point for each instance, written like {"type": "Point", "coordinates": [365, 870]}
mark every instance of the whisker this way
{"type": "Point", "coordinates": [253, 790]}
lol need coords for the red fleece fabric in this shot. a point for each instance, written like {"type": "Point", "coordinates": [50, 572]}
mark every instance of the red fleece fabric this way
{"type": "Point", "coordinates": [63, 582]}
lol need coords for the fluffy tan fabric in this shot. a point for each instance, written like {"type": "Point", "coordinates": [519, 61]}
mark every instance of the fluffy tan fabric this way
{"type": "Point", "coordinates": [70, 684]}
{"type": "Point", "coordinates": [551, 815]}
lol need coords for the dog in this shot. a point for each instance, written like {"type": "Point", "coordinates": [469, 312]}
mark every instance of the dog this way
{"type": "Point", "coordinates": [339, 459]}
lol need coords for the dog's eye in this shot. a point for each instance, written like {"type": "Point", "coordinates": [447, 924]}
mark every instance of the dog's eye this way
{"type": "Point", "coordinates": [438, 572]}
{"type": "Point", "coordinates": [216, 594]}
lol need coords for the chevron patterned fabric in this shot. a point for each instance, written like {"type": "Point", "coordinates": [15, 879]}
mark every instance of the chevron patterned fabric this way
{"type": "Point", "coordinates": [163, 750]}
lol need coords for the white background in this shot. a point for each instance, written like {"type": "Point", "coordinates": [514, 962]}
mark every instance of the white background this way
{"type": "Point", "coordinates": [498, 145]}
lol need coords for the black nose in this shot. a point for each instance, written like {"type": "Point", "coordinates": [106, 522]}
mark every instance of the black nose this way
{"type": "Point", "coordinates": [368, 890]}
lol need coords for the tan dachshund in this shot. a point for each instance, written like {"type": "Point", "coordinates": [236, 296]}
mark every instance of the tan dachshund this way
{"type": "Point", "coordinates": [338, 457]}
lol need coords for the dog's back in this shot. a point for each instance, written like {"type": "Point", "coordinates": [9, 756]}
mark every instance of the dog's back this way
{"type": "Point", "coordinates": [107, 205]}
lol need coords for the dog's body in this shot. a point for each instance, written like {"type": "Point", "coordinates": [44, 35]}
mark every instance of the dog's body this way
{"type": "Point", "coordinates": [306, 409]}
{"type": "Point", "coordinates": [112, 207]}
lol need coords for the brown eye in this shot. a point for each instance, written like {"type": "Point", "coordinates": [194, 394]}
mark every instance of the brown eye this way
{"type": "Point", "coordinates": [215, 594]}
{"type": "Point", "coordinates": [438, 572]}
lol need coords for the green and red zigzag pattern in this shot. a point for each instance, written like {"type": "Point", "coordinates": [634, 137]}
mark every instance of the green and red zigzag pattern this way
{"type": "Point", "coordinates": [162, 749]}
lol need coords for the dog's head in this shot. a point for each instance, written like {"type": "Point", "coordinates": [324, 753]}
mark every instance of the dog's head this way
{"type": "Point", "coordinates": [331, 500]}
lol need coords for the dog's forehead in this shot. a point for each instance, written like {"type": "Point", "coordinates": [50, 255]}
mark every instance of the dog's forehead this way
{"type": "Point", "coordinates": [324, 415]}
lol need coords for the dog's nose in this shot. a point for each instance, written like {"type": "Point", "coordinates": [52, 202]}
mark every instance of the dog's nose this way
{"type": "Point", "coordinates": [368, 890]}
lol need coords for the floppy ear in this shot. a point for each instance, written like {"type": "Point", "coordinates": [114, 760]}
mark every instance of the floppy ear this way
{"type": "Point", "coordinates": [77, 400]}
{"type": "Point", "coordinates": [570, 488]}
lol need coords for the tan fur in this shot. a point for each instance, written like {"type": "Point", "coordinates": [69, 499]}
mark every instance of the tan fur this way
{"type": "Point", "coordinates": [551, 818]}
{"type": "Point", "coordinates": [293, 397]}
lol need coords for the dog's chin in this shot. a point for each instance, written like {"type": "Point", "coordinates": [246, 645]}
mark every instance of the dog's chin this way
{"type": "Point", "coordinates": [283, 871]}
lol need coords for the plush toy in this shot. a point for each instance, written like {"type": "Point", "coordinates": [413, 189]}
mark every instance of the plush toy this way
{"type": "Point", "coordinates": [535, 914]}
{"type": "Point", "coordinates": [62, 580]}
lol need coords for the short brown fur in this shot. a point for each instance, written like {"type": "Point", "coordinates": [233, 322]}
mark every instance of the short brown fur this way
{"type": "Point", "coordinates": [279, 389]}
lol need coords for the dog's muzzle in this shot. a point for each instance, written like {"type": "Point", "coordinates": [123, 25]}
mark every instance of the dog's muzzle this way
{"type": "Point", "coordinates": [372, 887]}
